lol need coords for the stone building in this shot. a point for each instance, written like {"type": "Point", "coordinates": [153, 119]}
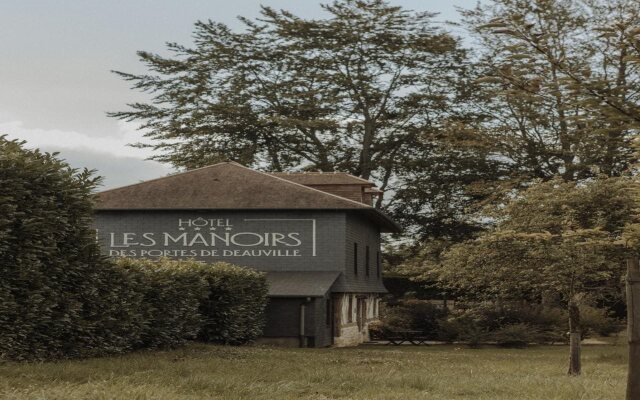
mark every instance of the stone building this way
{"type": "Point", "coordinates": [315, 235]}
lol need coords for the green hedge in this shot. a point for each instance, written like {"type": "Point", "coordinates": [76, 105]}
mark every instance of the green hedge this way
{"type": "Point", "coordinates": [182, 300]}
{"type": "Point", "coordinates": [50, 264]}
{"type": "Point", "coordinates": [60, 298]}
{"type": "Point", "coordinates": [168, 302]}
{"type": "Point", "coordinates": [234, 310]}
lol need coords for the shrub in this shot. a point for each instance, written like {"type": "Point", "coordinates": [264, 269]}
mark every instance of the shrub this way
{"type": "Point", "coordinates": [376, 330]}
{"type": "Point", "coordinates": [168, 303]}
{"type": "Point", "coordinates": [413, 314]}
{"type": "Point", "coordinates": [396, 317]}
{"type": "Point", "coordinates": [598, 321]}
{"type": "Point", "coordinates": [464, 326]}
{"type": "Point", "coordinates": [484, 322]}
{"type": "Point", "coordinates": [185, 299]}
{"type": "Point", "coordinates": [60, 298]}
{"type": "Point", "coordinates": [233, 313]}
{"type": "Point", "coordinates": [424, 316]}
{"type": "Point", "coordinates": [516, 335]}
{"type": "Point", "coordinates": [50, 264]}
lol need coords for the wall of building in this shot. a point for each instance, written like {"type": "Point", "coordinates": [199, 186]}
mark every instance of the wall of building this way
{"type": "Point", "coordinates": [264, 240]}
{"type": "Point", "coordinates": [349, 330]}
{"type": "Point", "coordinates": [360, 231]}
{"type": "Point", "coordinates": [283, 322]}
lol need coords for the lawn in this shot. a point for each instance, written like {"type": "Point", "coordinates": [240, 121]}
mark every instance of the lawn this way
{"type": "Point", "coordinates": [201, 371]}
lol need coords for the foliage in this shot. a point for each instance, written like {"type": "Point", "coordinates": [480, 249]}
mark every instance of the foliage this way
{"type": "Point", "coordinates": [516, 335]}
{"type": "Point", "coordinates": [184, 299]}
{"type": "Point", "coordinates": [598, 321]}
{"type": "Point", "coordinates": [479, 323]}
{"type": "Point", "coordinates": [559, 80]}
{"type": "Point", "coordinates": [60, 298]}
{"type": "Point", "coordinates": [557, 238]}
{"type": "Point", "coordinates": [501, 323]}
{"type": "Point", "coordinates": [168, 303]}
{"type": "Point", "coordinates": [50, 264]}
{"type": "Point", "coordinates": [416, 315]}
{"type": "Point", "coordinates": [372, 89]}
{"type": "Point", "coordinates": [234, 310]}
{"type": "Point", "coordinates": [377, 330]}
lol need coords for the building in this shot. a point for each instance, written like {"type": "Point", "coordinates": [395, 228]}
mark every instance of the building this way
{"type": "Point", "coordinates": [315, 235]}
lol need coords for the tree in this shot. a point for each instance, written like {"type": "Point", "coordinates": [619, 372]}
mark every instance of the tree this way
{"type": "Point", "coordinates": [607, 88]}
{"type": "Point", "coordinates": [557, 75]}
{"type": "Point", "coordinates": [371, 90]}
{"type": "Point", "coordinates": [557, 238]}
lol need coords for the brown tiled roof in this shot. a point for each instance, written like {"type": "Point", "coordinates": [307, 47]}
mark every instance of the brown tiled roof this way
{"type": "Point", "coordinates": [228, 186]}
{"type": "Point", "coordinates": [322, 178]}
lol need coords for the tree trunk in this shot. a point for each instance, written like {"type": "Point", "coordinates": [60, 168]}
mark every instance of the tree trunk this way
{"type": "Point", "coordinates": [574, 338]}
{"type": "Point", "coordinates": [633, 327]}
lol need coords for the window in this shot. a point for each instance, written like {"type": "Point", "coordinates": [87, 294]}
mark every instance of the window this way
{"type": "Point", "coordinates": [350, 313]}
{"type": "Point", "coordinates": [355, 258]}
{"type": "Point", "coordinates": [366, 260]}
{"type": "Point", "coordinates": [329, 313]}
{"type": "Point", "coordinates": [378, 263]}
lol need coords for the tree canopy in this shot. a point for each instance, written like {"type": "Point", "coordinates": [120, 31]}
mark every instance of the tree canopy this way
{"type": "Point", "coordinates": [372, 89]}
{"type": "Point", "coordinates": [561, 83]}
{"type": "Point", "coordinates": [557, 239]}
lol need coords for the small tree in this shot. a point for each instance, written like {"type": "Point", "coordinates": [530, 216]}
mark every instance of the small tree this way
{"type": "Point", "coordinates": [556, 238]}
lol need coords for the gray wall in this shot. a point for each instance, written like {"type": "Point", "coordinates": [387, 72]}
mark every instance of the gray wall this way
{"type": "Point", "coordinates": [295, 253]}
{"type": "Point", "coordinates": [364, 233]}
{"type": "Point", "coordinates": [283, 319]}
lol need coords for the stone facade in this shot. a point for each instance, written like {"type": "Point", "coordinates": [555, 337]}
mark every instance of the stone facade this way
{"type": "Point", "coordinates": [353, 315]}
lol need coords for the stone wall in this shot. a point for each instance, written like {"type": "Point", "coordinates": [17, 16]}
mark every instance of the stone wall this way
{"type": "Point", "coordinates": [352, 329]}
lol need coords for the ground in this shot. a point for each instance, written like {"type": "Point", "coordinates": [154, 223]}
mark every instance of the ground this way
{"type": "Point", "coordinates": [201, 371]}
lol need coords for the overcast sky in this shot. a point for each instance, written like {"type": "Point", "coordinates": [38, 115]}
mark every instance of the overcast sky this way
{"type": "Point", "coordinates": [55, 79]}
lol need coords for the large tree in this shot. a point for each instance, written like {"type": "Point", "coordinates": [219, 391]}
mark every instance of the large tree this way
{"type": "Point", "coordinates": [560, 85]}
{"type": "Point", "coordinates": [371, 89]}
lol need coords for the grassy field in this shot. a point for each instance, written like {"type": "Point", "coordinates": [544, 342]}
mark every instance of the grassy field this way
{"type": "Point", "coordinates": [371, 372]}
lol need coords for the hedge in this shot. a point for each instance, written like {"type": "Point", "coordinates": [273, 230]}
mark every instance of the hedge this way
{"type": "Point", "coordinates": [182, 300]}
{"type": "Point", "coordinates": [50, 264]}
{"type": "Point", "coordinates": [60, 298]}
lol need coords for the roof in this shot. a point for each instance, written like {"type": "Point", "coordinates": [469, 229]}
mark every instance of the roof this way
{"type": "Point", "coordinates": [322, 178]}
{"type": "Point", "coordinates": [300, 283]}
{"type": "Point", "coordinates": [344, 285]}
{"type": "Point", "coordinates": [229, 186]}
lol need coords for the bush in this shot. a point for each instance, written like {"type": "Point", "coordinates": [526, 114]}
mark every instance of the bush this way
{"type": "Point", "coordinates": [168, 303]}
{"type": "Point", "coordinates": [50, 263]}
{"type": "Point", "coordinates": [413, 314]}
{"type": "Point", "coordinates": [60, 298]}
{"type": "Point", "coordinates": [182, 300]}
{"type": "Point", "coordinates": [233, 313]}
{"type": "Point", "coordinates": [516, 335]}
{"type": "Point", "coordinates": [598, 321]}
{"type": "Point", "coordinates": [507, 324]}
{"type": "Point", "coordinates": [465, 326]}
{"type": "Point", "coordinates": [376, 330]}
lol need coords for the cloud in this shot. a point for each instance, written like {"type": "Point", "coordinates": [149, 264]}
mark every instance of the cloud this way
{"type": "Point", "coordinates": [111, 156]}
{"type": "Point", "coordinates": [116, 171]}
{"type": "Point", "coordinates": [116, 144]}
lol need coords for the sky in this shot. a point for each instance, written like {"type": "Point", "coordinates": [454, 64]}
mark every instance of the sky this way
{"type": "Point", "coordinates": [56, 83]}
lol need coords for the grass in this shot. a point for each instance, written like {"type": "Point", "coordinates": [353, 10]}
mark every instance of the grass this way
{"type": "Point", "coordinates": [201, 371]}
